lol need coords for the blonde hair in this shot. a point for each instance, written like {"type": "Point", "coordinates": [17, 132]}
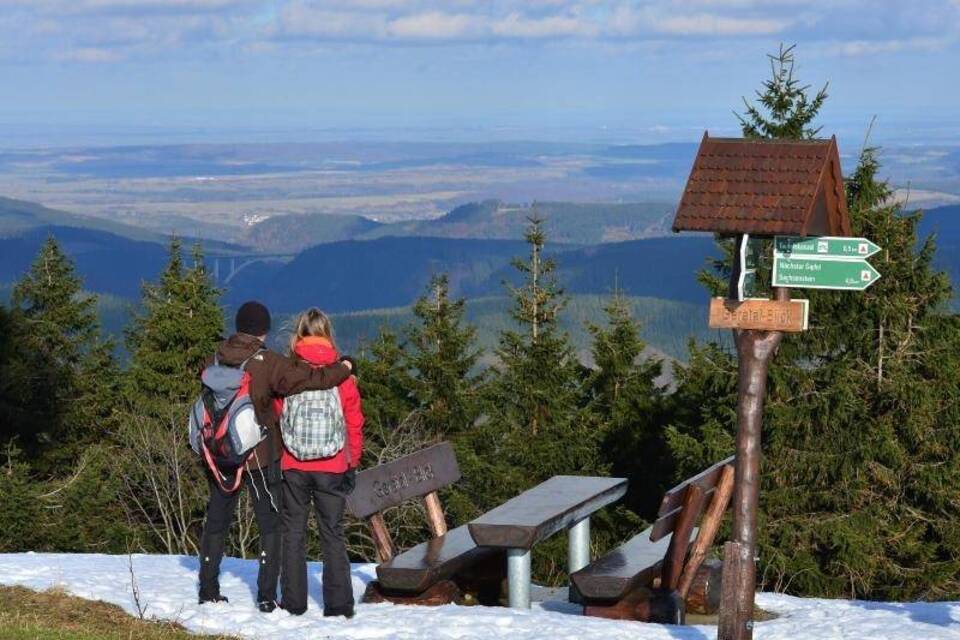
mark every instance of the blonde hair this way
{"type": "Point", "coordinates": [311, 322]}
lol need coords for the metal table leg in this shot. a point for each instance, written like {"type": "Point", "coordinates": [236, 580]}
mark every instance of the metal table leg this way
{"type": "Point", "coordinates": [578, 551]}
{"type": "Point", "coordinates": [518, 578]}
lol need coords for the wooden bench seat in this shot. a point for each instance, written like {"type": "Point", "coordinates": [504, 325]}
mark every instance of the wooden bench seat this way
{"type": "Point", "coordinates": [418, 568]}
{"type": "Point", "coordinates": [635, 563]}
{"type": "Point", "coordinates": [540, 512]}
{"type": "Point", "coordinates": [651, 576]}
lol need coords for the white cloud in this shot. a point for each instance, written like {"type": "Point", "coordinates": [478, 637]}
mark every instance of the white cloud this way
{"type": "Point", "coordinates": [516, 25]}
{"type": "Point", "coordinates": [708, 24]}
{"type": "Point", "coordinates": [855, 48]}
{"type": "Point", "coordinates": [299, 19]}
{"type": "Point", "coordinates": [434, 25]}
{"type": "Point", "coordinates": [144, 28]}
{"type": "Point", "coordinates": [89, 55]}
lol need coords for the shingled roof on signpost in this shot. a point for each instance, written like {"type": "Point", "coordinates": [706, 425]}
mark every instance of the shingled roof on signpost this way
{"type": "Point", "coordinates": [765, 188]}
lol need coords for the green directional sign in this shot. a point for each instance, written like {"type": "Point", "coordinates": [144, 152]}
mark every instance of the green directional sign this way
{"type": "Point", "coordinates": [791, 246]}
{"type": "Point", "coordinates": [823, 273]}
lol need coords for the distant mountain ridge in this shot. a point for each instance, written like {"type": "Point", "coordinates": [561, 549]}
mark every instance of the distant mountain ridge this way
{"type": "Point", "coordinates": [391, 270]}
{"type": "Point", "coordinates": [18, 217]}
{"type": "Point", "coordinates": [566, 223]}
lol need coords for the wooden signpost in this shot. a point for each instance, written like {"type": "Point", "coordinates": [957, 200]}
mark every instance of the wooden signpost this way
{"type": "Point", "coordinates": [791, 191]}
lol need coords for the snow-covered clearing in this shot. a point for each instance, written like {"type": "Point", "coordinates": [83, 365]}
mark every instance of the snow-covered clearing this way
{"type": "Point", "coordinates": [167, 586]}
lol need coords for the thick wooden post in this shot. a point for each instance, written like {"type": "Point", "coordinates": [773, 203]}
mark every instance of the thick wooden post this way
{"type": "Point", "coordinates": [755, 350]}
{"type": "Point", "coordinates": [735, 616]}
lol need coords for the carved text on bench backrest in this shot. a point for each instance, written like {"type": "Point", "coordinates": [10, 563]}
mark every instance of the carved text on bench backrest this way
{"type": "Point", "coordinates": [411, 476]}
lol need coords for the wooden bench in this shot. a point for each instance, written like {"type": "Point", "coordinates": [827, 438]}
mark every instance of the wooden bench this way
{"type": "Point", "coordinates": [440, 570]}
{"type": "Point", "coordinates": [655, 575]}
{"type": "Point", "coordinates": [562, 502]}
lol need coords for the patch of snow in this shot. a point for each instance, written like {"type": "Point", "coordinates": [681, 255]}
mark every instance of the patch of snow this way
{"type": "Point", "coordinates": [168, 590]}
{"type": "Point", "coordinates": [254, 219]}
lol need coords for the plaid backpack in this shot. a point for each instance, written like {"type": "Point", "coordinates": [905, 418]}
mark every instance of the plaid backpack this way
{"type": "Point", "coordinates": [312, 424]}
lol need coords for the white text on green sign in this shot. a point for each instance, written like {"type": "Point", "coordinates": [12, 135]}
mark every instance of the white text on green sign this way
{"type": "Point", "coordinates": [795, 247]}
{"type": "Point", "coordinates": [825, 273]}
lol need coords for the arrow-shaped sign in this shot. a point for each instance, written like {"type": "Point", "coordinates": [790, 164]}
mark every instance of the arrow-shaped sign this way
{"type": "Point", "coordinates": [795, 247]}
{"type": "Point", "coordinates": [825, 273]}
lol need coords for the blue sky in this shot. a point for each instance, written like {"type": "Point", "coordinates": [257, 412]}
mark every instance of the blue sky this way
{"type": "Point", "coordinates": [657, 67]}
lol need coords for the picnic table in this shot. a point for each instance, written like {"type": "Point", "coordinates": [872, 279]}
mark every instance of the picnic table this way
{"type": "Point", "coordinates": [560, 503]}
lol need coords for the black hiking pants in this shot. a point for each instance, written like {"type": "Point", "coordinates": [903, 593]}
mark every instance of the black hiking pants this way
{"type": "Point", "coordinates": [324, 492]}
{"type": "Point", "coordinates": [267, 496]}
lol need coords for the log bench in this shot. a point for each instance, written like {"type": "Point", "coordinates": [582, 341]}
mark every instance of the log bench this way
{"type": "Point", "coordinates": [652, 576]}
{"type": "Point", "coordinates": [440, 570]}
{"type": "Point", "coordinates": [560, 503]}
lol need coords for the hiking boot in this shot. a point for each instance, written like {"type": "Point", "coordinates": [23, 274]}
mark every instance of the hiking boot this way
{"type": "Point", "coordinates": [267, 606]}
{"type": "Point", "coordinates": [214, 599]}
{"type": "Point", "coordinates": [333, 612]}
{"type": "Point", "coordinates": [293, 612]}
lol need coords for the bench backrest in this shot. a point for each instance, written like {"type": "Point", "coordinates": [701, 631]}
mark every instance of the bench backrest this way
{"type": "Point", "coordinates": [673, 500]}
{"type": "Point", "coordinates": [412, 476]}
{"type": "Point", "coordinates": [418, 475]}
{"type": "Point", "coordinates": [680, 509]}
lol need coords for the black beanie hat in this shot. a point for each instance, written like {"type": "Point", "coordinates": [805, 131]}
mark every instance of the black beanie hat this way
{"type": "Point", "coordinates": [253, 319]}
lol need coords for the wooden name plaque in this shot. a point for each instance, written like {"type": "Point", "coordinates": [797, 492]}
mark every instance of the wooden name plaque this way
{"type": "Point", "coordinates": [766, 315]}
{"type": "Point", "coordinates": [412, 476]}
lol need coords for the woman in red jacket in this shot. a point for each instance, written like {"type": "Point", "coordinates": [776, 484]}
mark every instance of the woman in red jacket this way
{"type": "Point", "coordinates": [323, 480]}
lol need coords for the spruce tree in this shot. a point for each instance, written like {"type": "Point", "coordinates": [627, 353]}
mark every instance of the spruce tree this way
{"type": "Point", "coordinates": [60, 379]}
{"type": "Point", "coordinates": [538, 377]}
{"type": "Point", "coordinates": [860, 430]}
{"type": "Point", "coordinates": [7, 384]}
{"type": "Point", "coordinates": [785, 110]}
{"type": "Point", "coordinates": [627, 406]}
{"type": "Point", "coordinates": [386, 384]}
{"type": "Point", "coordinates": [178, 327]}
{"type": "Point", "coordinates": [534, 425]}
{"type": "Point", "coordinates": [442, 356]}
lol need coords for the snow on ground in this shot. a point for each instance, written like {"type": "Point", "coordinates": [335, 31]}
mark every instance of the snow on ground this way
{"type": "Point", "coordinates": [167, 586]}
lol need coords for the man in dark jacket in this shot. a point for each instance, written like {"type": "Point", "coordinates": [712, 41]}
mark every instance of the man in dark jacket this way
{"type": "Point", "coordinates": [272, 376]}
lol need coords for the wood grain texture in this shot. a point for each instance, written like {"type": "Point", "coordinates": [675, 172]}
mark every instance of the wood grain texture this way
{"type": "Point", "coordinates": [703, 597]}
{"type": "Point", "coordinates": [733, 624]}
{"type": "Point", "coordinates": [381, 537]}
{"type": "Point", "coordinates": [413, 476]}
{"type": "Point", "coordinates": [693, 502]}
{"type": "Point", "coordinates": [672, 501]}
{"type": "Point", "coordinates": [435, 518]}
{"type": "Point", "coordinates": [708, 529]}
{"type": "Point", "coordinates": [765, 315]}
{"type": "Point", "coordinates": [633, 564]}
{"type": "Point", "coordinates": [540, 512]}
{"type": "Point", "coordinates": [419, 567]}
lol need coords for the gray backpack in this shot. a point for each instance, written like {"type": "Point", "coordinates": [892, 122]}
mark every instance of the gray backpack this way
{"type": "Point", "coordinates": [312, 424]}
{"type": "Point", "coordinates": [223, 425]}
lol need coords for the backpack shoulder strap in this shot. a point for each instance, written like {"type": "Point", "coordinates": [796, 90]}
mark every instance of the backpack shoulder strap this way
{"type": "Point", "coordinates": [243, 365]}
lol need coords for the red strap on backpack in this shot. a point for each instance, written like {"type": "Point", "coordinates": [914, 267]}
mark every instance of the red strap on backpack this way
{"type": "Point", "coordinates": [222, 432]}
{"type": "Point", "coordinates": [216, 472]}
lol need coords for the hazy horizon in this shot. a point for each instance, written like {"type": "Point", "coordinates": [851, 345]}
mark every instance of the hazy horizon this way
{"type": "Point", "coordinates": [635, 71]}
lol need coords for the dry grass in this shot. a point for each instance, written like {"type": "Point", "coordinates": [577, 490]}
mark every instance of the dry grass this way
{"type": "Point", "coordinates": [54, 615]}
